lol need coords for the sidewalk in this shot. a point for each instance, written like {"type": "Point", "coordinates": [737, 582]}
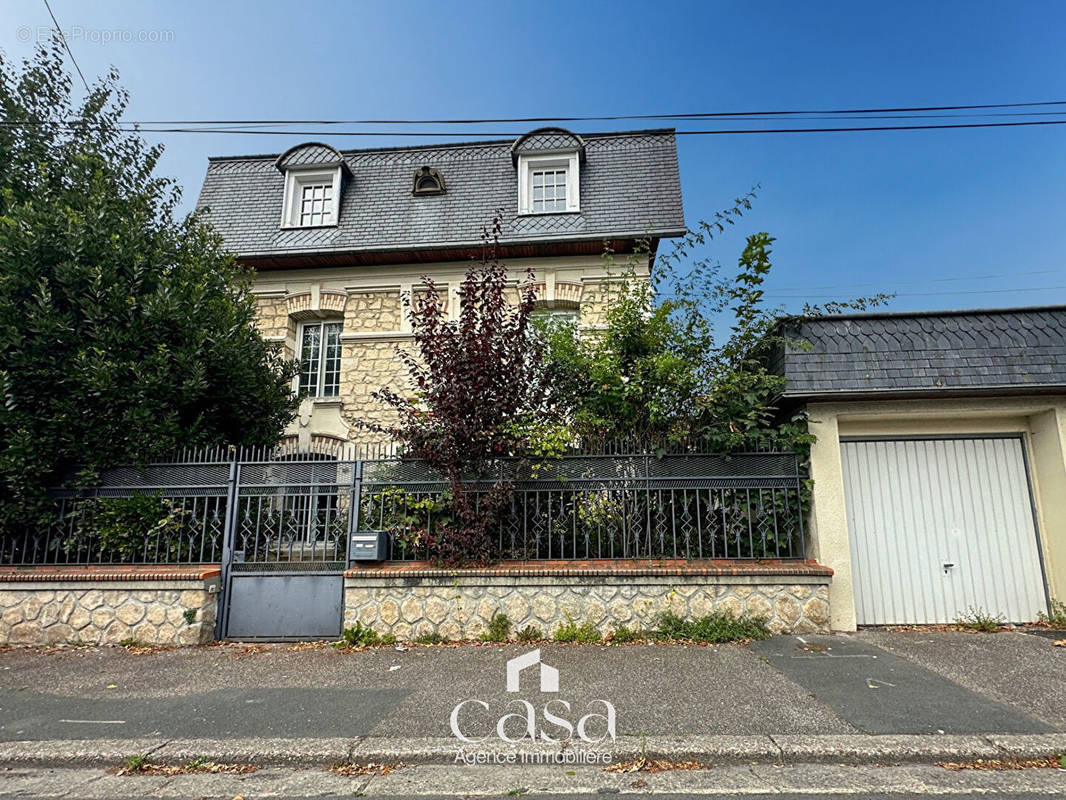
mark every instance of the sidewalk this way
{"type": "Point", "coordinates": [873, 697]}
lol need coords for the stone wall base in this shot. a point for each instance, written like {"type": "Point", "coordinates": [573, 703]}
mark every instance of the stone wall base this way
{"type": "Point", "coordinates": [107, 606]}
{"type": "Point", "coordinates": [459, 604]}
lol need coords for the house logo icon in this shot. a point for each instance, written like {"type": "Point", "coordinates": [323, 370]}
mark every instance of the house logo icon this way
{"type": "Point", "coordinates": [549, 676]}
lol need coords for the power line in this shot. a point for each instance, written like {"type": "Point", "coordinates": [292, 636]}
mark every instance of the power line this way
{"type": "Point", "coordinates": [515, 134]}
{"type": "Point", "coordinates": [770, 295]}
{"type": "Point", "coordinates": [63, 39]}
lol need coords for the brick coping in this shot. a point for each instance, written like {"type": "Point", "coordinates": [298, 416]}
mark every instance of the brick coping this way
{"type": "Point", "coordinates": [596, 567]}
{"type": "Point", "coordinates": [108, 572]}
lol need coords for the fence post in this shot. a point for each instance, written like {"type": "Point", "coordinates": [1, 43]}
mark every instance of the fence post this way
{"type": "Point", "coordinates": [355, 500]}
{"type": "Point", "coordinates": [801, 511]}
{"type": "Point", "coordinates": [230, 531]}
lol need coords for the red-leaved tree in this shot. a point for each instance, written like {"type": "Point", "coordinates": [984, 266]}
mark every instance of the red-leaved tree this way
{"type": "Point", "coordinates": [479, 387]}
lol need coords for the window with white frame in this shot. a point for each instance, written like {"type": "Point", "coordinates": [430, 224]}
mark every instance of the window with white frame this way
{"type": "Point", "coordinates": [548, 184]}
{"type": "Point", "coordinates": [320, 359]}
{"type": "Point", "coordinates": [312, 198]}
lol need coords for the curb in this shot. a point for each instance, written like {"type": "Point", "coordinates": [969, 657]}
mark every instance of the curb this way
{"type": "Point", "coordinates": [776, 749]}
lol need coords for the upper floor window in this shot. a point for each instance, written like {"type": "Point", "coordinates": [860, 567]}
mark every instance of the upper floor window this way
{"type": "Point", "coordinates": [320, 359]}
{"type": "Point", "coordinates": [548, 184]}
{"type": "Point", "coordinates": [312, 198]}
{"type": "Point", "coordinates": [548, 161]}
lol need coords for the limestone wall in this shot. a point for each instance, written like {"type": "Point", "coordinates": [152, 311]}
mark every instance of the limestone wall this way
{"type": "Point", "coordinates": [179, 611]}
{"type": "Point", "coordinates": [459, 606]}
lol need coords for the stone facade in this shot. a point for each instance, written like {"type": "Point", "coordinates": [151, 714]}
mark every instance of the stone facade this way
{"type": "Point", "coordinates": [77, 611]}
{"type": "Point", "coordinates": [459, 605]}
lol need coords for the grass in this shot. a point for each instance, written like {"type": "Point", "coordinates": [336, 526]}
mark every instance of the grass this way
{"type": "Point", "coordinates": [977, 619]}
{"type": "Point", "coordinates": [499, 629]}
{"type": "Point", "coordinates": [135, 763]}
{"type": "Point", "coordinates": [1057, 618]}
{"type": "Point", "coordinates": [624, 634]}
{"type": "Point", "coordinates": [529, 635]}
{"type": "Point", "coordinates": [431, 638]}
{"type": "Point", "coordinates": [714, 628]}
{"type": "Point", "coordinates": [570, 631]}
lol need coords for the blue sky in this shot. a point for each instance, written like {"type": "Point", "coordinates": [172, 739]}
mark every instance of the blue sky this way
{"type": "Point", "coordinates": [929, 214]}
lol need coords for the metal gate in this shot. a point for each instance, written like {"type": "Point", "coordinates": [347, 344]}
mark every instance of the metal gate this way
{"type": "Point", "coordinates": [285, 552]}
{"type": "Point", "coordinates": [940, 526]}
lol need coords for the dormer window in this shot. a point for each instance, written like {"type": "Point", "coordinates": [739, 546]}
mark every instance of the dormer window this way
{"type": "Point", "coordinates": [314, 175]}
{"type": "Point", "coordinates": [549, 164]}
{"type": "Point", "coordinates": [428, 181]}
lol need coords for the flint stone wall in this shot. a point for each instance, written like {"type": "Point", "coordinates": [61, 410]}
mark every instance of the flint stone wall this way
{"type": "Point", "coordinates": [459, 606]}
{"type": "Point", "coordinates": [163, 612]}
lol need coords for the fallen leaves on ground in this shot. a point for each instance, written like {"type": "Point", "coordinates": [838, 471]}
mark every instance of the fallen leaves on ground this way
{"type": "Point", "coordinates": [365, 769]}
{"type": "Point", "coordinates": [315, 645]}
{"type": "Point", "coordinates": [192, 768]}
{"type": "Point", "coordinates": [245, 650]}
{"type": "Point", "coordinates": [653, 765]}
{"type": "Point", "coordinates": [1059, 643]}
{"type": "Point", "coordinates": [999, 765]}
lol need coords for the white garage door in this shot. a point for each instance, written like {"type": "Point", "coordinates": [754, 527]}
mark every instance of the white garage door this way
{"type": "Point", "coordinates": [940, 526]}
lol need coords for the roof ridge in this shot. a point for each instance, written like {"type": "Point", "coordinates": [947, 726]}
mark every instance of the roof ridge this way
{"type": "Point", "coordinates": [449, 145]}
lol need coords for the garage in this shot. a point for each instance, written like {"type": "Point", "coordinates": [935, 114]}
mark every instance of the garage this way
{"type": "Point", "coordinates": [940, 527]}
{"type": "Point", "coordinates": [938, 466]}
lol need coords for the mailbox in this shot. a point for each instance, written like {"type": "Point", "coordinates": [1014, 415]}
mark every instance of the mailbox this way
{"type": "Point", "coordinates": [369, 546]}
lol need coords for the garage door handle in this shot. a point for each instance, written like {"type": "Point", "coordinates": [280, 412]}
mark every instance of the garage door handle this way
{"type": "Point", "coordinates": [947, 567]}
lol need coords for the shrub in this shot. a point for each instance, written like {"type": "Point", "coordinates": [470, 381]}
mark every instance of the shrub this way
{"type": "Point", "coordinates": [499, 629]}
{"type": "Point", "coordinates": [360, 636]}
{"type": "Point", "coordinates": [717, 627]}
{"type": "Point", "coordinates": [1057, 618]}
{"type": "Point", "coordinates": [530, 634]}
{"type": "Point", "coordinates": [570, 631]}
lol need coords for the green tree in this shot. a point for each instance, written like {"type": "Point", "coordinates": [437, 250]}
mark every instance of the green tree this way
{"type": "Point", "coordinates": [660, 371]}
{"type": "Point", "coordinates": [125, 332]}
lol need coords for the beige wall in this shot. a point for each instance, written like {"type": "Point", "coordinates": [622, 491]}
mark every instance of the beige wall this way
{"type": "Point", "coordinates": [1042, 422]}
{"type": "Point", "coordinates": [368, 300]}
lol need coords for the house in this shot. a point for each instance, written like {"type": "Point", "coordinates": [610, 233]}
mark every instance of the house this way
{"type": "Point", "coordinates": [336, 238]}
{"type": "Point", "coordinates": [939, 470]}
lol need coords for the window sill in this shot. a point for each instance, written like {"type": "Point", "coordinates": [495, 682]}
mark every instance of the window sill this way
{"type": "Point", "coordinates": [549, 213]}
{"type": "Point", "coordinates": [307, 227]}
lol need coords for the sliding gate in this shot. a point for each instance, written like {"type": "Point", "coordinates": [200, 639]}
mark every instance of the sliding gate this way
{"type": "Point", "coordinates": [285, 553]}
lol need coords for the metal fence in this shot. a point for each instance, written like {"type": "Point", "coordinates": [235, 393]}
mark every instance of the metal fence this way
{"type": "Point", "coordinates": [282, 508]}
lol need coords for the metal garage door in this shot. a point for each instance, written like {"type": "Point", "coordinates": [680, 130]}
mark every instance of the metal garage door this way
{"type": "Point", "coordinates": [939, 526]}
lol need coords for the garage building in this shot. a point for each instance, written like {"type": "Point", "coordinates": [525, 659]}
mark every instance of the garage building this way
{"type": "Point", "coordinates": [939, 472]}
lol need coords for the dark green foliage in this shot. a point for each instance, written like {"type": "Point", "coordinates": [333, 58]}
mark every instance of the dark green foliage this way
{"type": "Point", "coordinates": [570, 631]}
{"type": "Point", "coordinates": [122, 527]}
{"type": "Point", "coordinates": [125, 333]}
{"type": "Point", "coordinates": [658, 372]}
{"type": "Point", "coordinates": [499, 629]}
{"type": "Point", "coordinates": [717, 627]}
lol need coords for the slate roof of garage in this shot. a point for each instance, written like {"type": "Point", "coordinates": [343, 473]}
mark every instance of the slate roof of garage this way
{"type": "Point", "coordinates": [629, 186]}
{"type": "Point", "coordinates": [1001, 350]}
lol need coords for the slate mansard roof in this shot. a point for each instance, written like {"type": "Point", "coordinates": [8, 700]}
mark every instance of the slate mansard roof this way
{"type": "Point", "coordinates": [995, 351]}
{"type": "Point", "coordinates": [629, 187]}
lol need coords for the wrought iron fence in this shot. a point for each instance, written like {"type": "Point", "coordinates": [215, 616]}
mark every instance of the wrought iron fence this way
{"type": "Point", "coordinates": [283, 507]}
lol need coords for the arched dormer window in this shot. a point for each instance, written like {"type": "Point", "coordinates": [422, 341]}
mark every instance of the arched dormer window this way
{"type": "Point", "coordinates": [314, 178]}
{"type": "Point", "coordinates": [549, 164]}
{"type": "Point", "coordinates": [428, 180]}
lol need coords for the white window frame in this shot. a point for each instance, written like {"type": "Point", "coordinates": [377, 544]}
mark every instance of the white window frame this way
{"type": "Point", "coordinates": [528, 164]}
{"type": "Point", "coordinates": [295, 180]}
{"type": "Point", "coordinates": [320, 387]}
